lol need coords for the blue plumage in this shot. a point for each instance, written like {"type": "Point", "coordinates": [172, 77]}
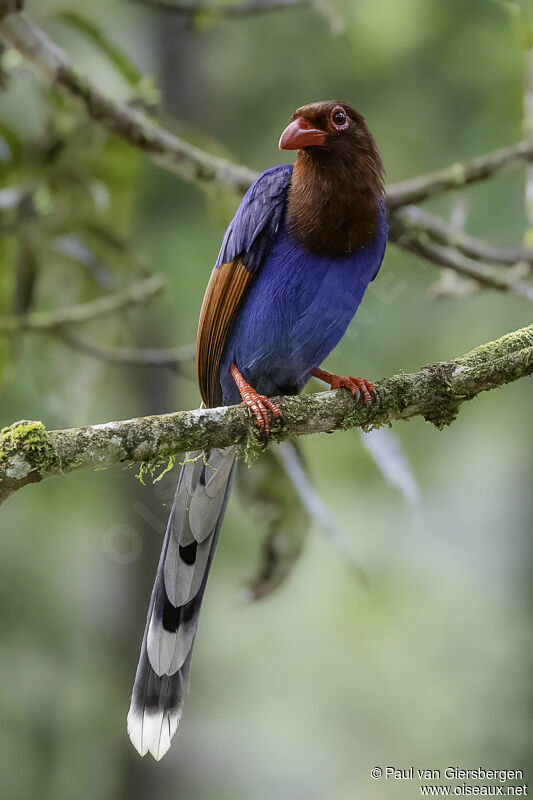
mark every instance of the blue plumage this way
{"type": "Point", "coordinates": [281, 295]}
{"type": "Point", "coordinates": [300, 303]}
{"type": "Point", "coordinates": [257, 219]}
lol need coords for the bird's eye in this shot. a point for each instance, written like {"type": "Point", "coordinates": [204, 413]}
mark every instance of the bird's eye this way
{"type": "Point", "coordinates": [339, 117]}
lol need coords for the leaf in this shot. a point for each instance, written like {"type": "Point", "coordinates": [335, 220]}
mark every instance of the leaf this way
{"type": "Point", "coordinates": [97, 37]}
{"type": "Point", "coordinates": [205, 18]}
{"type": "Point", "coordinates": [286, 499]}
{"type": "Point", "coordinates": [266, 490]}
{"type": "Point", "coordinates": [72, 246]}
{"type": "Point", "coordinates": [294, 466]}
{"type": "Point", "coordinates": [521, 14]}
{"type": "Point", "coordinates": [11, 141]}
{"type": "Point", "coordinates": [386, 450]}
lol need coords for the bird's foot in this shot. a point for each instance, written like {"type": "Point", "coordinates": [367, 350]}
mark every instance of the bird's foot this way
{"type": "Point", "coordinates": [359, 387]}
{"type": "Point", "coordinates": [258, 403]}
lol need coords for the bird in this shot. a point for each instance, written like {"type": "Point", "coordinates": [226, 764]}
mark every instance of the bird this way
{"type": "Point", "coordinates": [294, 264]}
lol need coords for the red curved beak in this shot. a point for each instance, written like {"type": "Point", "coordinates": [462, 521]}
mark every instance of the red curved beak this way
{"type": "Point", "coordinates": [300, 133]}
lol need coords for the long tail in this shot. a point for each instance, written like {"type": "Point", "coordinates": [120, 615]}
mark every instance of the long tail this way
{"type": "Point", "coordinates": [188, 549]}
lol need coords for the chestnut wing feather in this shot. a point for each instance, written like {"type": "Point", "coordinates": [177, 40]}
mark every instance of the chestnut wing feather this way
{"type": "Point", "coordinates": [245, 245]}
{"type": "Point", "coordinates": [221, 300]}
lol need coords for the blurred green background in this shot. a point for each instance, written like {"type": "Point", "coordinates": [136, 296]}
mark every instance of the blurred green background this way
{"type": "Point", "coordinates": [301, 694]}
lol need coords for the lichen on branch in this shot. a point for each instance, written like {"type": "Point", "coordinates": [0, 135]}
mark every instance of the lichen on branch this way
{"type": "Point", "coordinates": [29, 453]}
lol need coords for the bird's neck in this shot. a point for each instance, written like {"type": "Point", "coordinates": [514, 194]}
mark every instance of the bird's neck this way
{"type": "Point", "coordinates": [333, 202]}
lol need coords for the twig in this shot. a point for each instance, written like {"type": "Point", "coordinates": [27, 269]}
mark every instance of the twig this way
{"type": "Point", "coordinates": [169, 151]}
{"type": "Point", "coordinates": [8, 7]}
{"type": "Point", "coordinates": [149, 357]}
{"type": "Point", "coordinates": [458, 175]}
{"type": "Point", "coordinates": [29, 453]}
{"type": "Point", "coordinates": [231, 10]}
{"type": "Point", "coordinates": [477, 249]}
{"type": "Point", "coordinates": [528, 136]}
{"type": "Point", "coordinates": [190, 162]}
{"type": "Point", "coordinates": [135, 294]}
{"type": "Point", "coordinates": [485, 274]}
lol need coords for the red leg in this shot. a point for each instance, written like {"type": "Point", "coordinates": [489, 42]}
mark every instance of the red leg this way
{"type": "Point", "coordinates": [259, 403]}
{"type": "Point", "coordinates": [355, 385]}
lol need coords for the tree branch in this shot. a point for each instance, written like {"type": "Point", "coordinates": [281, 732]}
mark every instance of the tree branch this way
{"type": "Point", "coordinates": [189, 162]}
{"type": "Point", "coordinates": [10, 7]}
{"type": "Point", "coordinates": [172, 357]}
{"type": "Point", "coordinates": [29, 453]}
{"type": "Point", "coordinates": [458, 175]}
{"type": "Point", "coordinates": [135, 294]}
{"type": "Point", "coordinates": [167, 150]}
{"type": "Point", "coordinates": [477, 249]}
{"type": "Point", "coordinates": [450, 258]}
{"type": "Point", "coordinates": [232, 10]}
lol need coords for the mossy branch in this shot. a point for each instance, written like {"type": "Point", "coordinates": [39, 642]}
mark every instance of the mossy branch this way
{"type": "Point", "coordinates": [30, 453]}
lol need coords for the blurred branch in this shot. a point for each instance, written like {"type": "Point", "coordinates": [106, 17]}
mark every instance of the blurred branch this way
{"type": "Point", "coordinates": [192, 163]}
{"type": "Point", "coordinates": [10, 7]}
{"type": "Point", "coordinates": [444, 256]}
{"type": "Point", "coordinates": [29, 453]}
{"type": "Point", "coordinates": [458, 175]}
{"type": "Point", "coordinates": [233, 10]}
{"type": "Point", "coordinates": [150, 357]}
{"type": "Point", "coordinates": [135, 294]}
{"type": "Point", "coordinates": [426, 236]}
{"type": "Point", "coordinates": [477, 249]}
{"type": "Point", "coordinates": [169, 151]}
{"type": "Point", "coordinates": [528, 136]}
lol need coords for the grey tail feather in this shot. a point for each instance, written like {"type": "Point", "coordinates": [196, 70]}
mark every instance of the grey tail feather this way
{"type": "Point", "coordinates": [188, 550]}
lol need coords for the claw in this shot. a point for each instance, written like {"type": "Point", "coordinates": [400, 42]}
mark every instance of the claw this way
{"type": "Point", "coordinates": [357, 386]}
{"type": "Point", "coordinates": [363, 386]}
{"type": "Point", "coordinates": [259, 404]}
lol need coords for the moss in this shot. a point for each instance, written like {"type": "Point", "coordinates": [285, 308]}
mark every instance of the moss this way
{"type": "Point", "coordinates": [25, 447]}
{"type": "Point", "coordinates": [457, 174]}
{"type": "Point", "coordinates": [502, 347]}
{"type": "Point", "coordinates": [150, 467]}
{"type": "Point", "coordinates": [254, 446]}
{"type": "Point", "coordinates": [443, 415]}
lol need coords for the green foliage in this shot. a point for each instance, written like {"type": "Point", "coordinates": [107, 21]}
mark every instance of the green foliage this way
{"type": "Point", "coordinates": [11, 148]}
{"type": "Point", "coordinates": [98, 37]}
{"type": "Point", "coordinates": [67, 201]}
{"type": "Point", "coordinates": [521, 14]}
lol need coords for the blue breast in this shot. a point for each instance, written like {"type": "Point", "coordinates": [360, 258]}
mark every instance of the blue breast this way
{"type": "Point", "coordinates": [295, 313]}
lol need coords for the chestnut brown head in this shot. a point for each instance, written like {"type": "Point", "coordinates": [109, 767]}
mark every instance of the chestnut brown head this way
{"type": "Point", "coordinates": [337, 179]}
{"type": "Point", "coordinates": [328, 124]}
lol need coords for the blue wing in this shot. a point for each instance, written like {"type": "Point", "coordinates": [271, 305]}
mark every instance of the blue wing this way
{"type": "Point", "coordinates": [244, 247]}
{"type": "Point", "coordinates": [257, 219]}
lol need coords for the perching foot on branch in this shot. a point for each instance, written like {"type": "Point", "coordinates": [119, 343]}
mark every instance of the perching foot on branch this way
{"type": "Point", "coordinates": [259, 403]}
{"type": "Point", "coordinates": [357, 386]}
